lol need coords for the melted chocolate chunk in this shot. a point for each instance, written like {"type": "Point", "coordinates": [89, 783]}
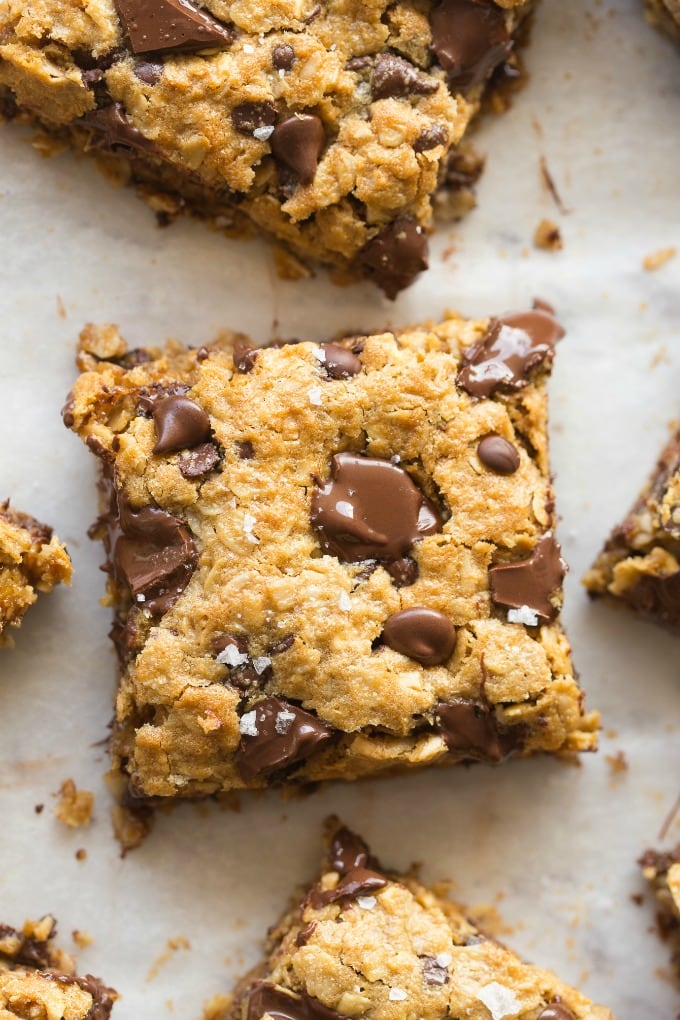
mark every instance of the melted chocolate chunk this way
{"type": "Point", "coordinates": [514, 345]}
{"type": "Point", "coordinates": [283, 645]}
{"type": "Point", "coordinates": [532, 581]}
{"type": "Point", "coordinates": [348, 851]}
{"type": "Point", "coordinates": [469, 39]}
{"type": "Point", "coordinates": [556, 1011]}
{"type": "Point", "coordinates": [92, 76]}
{"type": "Point", "coordinates": [276, 734]}
{"type": "Point", "coordinates": [395, 256]}
{"type": "Point", "coordinates": [403, 572]}
{"type": "Point", "coordinates": [339, 362]}
{"type": "Point", "coordinates": [359, 63]}
{"type": "Point", "coordinates": [283, 57]}
{"type": "Point", "coordinates": [249, 117]}
{"type": "Point", "coordinates": [430, 138]}
{"type": "Point", "coordinates": [433, 973]}
{"type": "Point", "coordinates": [425, 635]}
{"type": "Point", "coordinates": [470, 729]}
{"type": "Point", "coordinates": [180, 423]}
{"type": "Point", "coordinates": [150, 551]}
{"type": "Point", "coordinates": [394, 77]}
{"type": "Point", "coordinates": [265, 998]}
{"type": "Point", "coordinates": [113, 132]}
{"type": "Point", "coordinates": [147, 72]}
{"type": "Point", "coordinates": [357, 882]}
{"type": "Point", "coordinates": [657, 598]}
{"type": "Point", "coordinates": [244, 357]}
{"type": "Point", "coordinates": [245, 449]}
{"type": "Point", "coordinates": [370, 509]}
{"type": "Point", "coordinates": [198, 462]}
{"type": "Point", "coordinates": [305, 934]}
{"type": "Point", "coordinates": [297, 143]}
{"type": "Point", "coordinates": [170, 26]}
{"type": "Point", "coordinates": [498, 454]}
{"type": "Point", "coordinates": [26, 951]}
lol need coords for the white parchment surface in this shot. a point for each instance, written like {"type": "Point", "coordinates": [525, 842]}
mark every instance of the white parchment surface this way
{"type": "Point", "coordinates": [553, 846]}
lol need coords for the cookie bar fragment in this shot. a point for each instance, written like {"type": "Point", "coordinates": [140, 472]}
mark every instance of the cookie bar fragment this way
{"type": "Point", "coordinates": [639, 566]}
{"type": "Point", "coordinates": [664, 14]}
{"type": "Point", "coordinates": [38, 980]}
{"type": "Point", "coordinates": [662, 871]}
{"type": "Point", "coordinates": [365, 942]}
{"type": "Point", "coordinates": [327, 125]}
{"type": "Point", "coordinates": [32, 560]}
{"type": "Point", "coordinates": [330, 560]}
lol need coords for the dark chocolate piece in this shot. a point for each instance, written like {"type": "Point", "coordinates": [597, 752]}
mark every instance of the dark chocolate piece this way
{"type": "Point", "coordinates": [370, 509]}
{"type": "Point", "coordinates": [403, 572]}
{"type": "Point", "coordinates": [244, 357]}
{"type": "Point", "coordinates": [514, 344]}
{"type": "Point", "coordinates": [170, 26]}
{"type": "Point", "coordinates": [199, 461]}
{"type": "Point", "coordinates": [305, 934]}
{"type": "Point", "coordinates": [265, 998]}
{"type": "Point", "coordinates": [180, 423]}
{"type": "Point", "coordinates": [112, 131]}
{"type": "Point", "coordinates": [394, 77]}
{"type": "Point", "coordinates": [434, 973]}
{"type": "Point", "coordinates": [357, 882]}
{"type": "Point", "coordinates": [425, 635]}
{"type": "Point", "coordinates": [470, 728]}
{"type": "Point", "coordinates": [396, 255]}
{"type": "Point", "coordinates": [469, 39]}
{"type": "Point", "coordinates": [246, 450]}
{"type": "Point", "coordinates": [657, 598]}
{"type": "Point", "coordinates": [347, 851]}
{"type": "Point", "coordinates": [532, 581]}
{"type": "Point", "coordinates": [430, 138]}
{"type": "Point", "coordinates": [498, 454]}
{"type": "Point", "coordinates": [149, 73]}
{"type": "Point", "coordinates": [283, 57]}
{"type": "Point", "coordinates": [250, 117]}
{"type": "Point", "coordinates": [276, 734]}
{"type": "Point", "coordinates": [338, 361]}
{"type": "Point", "coordinates": [297, 143]}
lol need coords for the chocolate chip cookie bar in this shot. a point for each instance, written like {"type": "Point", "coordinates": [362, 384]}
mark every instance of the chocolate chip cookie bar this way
{"type": "Point", "coordinates": [664, 14]}
{"type": "Point", "coordinates": [662, 871]}
{"type": "Point", "coordinates": [330, 560]}
{"type": "Point", "coordinates": [329, 125]}
{"type": "Point", "coordinates": [639, 566]}
{"type": "Point", "coordinates": [366, 942]}
{"type": "Point", "coordinates": [32, 560]}
{"type": "Point", "coordinates": [37, 980]}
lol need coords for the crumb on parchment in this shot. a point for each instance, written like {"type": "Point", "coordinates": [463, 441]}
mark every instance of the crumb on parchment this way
{"type": "Point", "coordinates": [658, 258]}
{"type": "Point", "coordinates": [74, 807]}
{"type": "Point", "coordinates": [547, 236]}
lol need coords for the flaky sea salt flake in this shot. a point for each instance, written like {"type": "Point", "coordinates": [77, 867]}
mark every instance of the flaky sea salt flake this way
{"type": "Point", "coordinates": [345, 602]}
{"type": "Point", "coordinates": [284, 721]}
{"type": "Point", "coordinates": [525, 615]}
{"type": "Point", "coordinates": [315, 396]}
{"type": "Point", "coordinates": [232, 657]}
{"type": "Point", "coordinates": [261, 663]}
{"type": "Point", "coordinates": [248, 724]}
{"type": "Point", "coordinates": [397, 995]}
{"type": "Point", "coordinates": [500, 1001]}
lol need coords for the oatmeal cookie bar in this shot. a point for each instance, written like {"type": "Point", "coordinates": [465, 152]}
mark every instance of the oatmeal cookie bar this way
{"type": "Point", "coordinates": [327, 124]}
{"type": "Point", "coordinates": [664, 14]}
{"type": "Point", "coordinates": [32, 560]}
{"type": "Point", "coordinates": [365, 942]}
{"type": "Point", "coordinates": [329, 560]}
{"type": "Point", "coordinates": [662, 871]}
{"type": "Point", "coordinates": [38, 980]}
{"type": "Point", "coordinates": [639, 566]}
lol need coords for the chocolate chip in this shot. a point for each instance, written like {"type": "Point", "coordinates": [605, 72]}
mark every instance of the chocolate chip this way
{"type": "Point", "coordinates": [199, 461]}
{"type": "Point", "coordinates": [245, 449]}
{"type": "Point", "coordinates": [359, 63]}
{"type": "Point", "coordinates": [92, 76]}
{"type": "Point", "coordinates": [244, 357]}
{"type": "Point", "coordinates": [222, 641]}
{"type": "Point", "coordinates": [370, 509]}
{"type": "Point", "coordinates": [147, 72]}
{"type": "Point", "coordinates": [498, 454]}
{"type": "Point", "coordinates": [657, 598]}
{"type": "Point", "coordinates": [297, 143]}
{"type": "Point", "coordinates": [469, 728]}
{"type": "Point", "coordinates": [283, 57]}
{"type": "Point", "coordinates": [357, 882]}
{"type": "Point", "coordinates": [430, 138]}
{"type": "Point", "coordinates": [404, 572]}
{"type": "Point", "coordinates": [395, 256]}
{"type": "Point", "coordinates": [394, 77]}
{"type": "Point", "coordinates": [347, 851]}
{"type": "Point", "coordinates": [338, 361]}
{"type": "Point", "coordinates": [148, 396]}
{"type": "Point", "coordinates": [434, 973]}
{"type": "Point", "coordinates": [248, 118]}
{"type": "Point", "coordinates": [283, 645]}
{"type": "Point", "coordinates": [180, 423]}
{"type": "Point", "coordinates": [530, 582]}
{"type": "Point", "coordinates": [305, 934]}
{"type": "Point", "coordinates": [469, 39]}
{"type": "Point", "coordinates": [150, 551]}
{"type": "Point", "coordinates": [514, 344]}
{"type": "Point", "coordinates": [112, 131]}
{"type": "Point", "coordinates": [556, 1011]}
{"type": "Point", "coordinates": [170, 26]}
{"type": "Point", "coordinates": [276, 734]}
{"type": "Point", "coordinates": [280, 1004]}
{"type": "Point", "coordinates": [425, 635]}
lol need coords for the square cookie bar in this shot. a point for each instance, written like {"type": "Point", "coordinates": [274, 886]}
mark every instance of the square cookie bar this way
{"type": "Point", "coordinates": [38, 981]}
{"type": "Point", "coordinates": [365, 942]}
{"type": "Point", "coordinates": [639, 566]}
{"type": "Point", "coordinates": [664, 14]}
{"type": "Point", "coordinates": [32, 560]}
{"type": "Point", "coordinates": [330, 560]}
{"type": "Point", "coordinates": [662, 871]}
{"type": "Point", "coordinates": [328, 125]}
